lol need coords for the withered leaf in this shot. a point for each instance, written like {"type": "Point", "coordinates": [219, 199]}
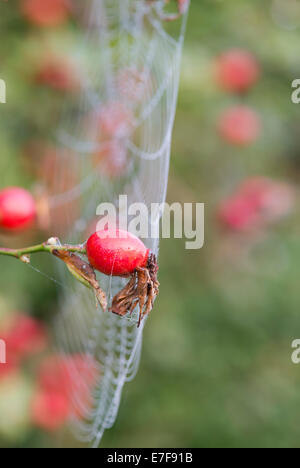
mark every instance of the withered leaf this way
{"type": "Point", "coordinates": [84, 273]}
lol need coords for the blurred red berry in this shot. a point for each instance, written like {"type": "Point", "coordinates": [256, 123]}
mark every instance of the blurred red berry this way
{"type": "Point", "coordinates": [240, 126]}
{"type": "Point", "coordinates": [53, 375]}
{"type": "Point", "coordinates": [73, 377]}
{"type": "Point", "coordinates": [116, 252]}
{"type": "Point", "coordinates": [237, 70]}
{"type": "Point", "coordinates": [58, 74]}
{"type": "Point", "coordinates": [58, 373]}
{"type": "Point", "coordinates": [17, 209]}
{"type": "Point", "coordinates": [257, 202]}
{"type": "Point", "coordinates": [24, 336]}
{"type": "Point", "coordinates": [46, 12]}
{"type": "Point", "coordinates": [237, 213]}
{"type": "Point", "coordinates": [274, 199]}
{"type": "Point", "coordinates": [50, 410]}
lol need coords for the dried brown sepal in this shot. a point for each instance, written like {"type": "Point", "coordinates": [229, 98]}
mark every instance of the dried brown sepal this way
{"type": "Point", "coordinates": [84, 273]}
{"type": "Point", "coordinates": [141, 290]}
{"type": "Point", "coordinates": [123, 301]}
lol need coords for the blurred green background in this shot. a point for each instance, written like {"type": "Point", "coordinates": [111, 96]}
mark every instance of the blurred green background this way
{"type": "Point", "coordinates": [216, 366]}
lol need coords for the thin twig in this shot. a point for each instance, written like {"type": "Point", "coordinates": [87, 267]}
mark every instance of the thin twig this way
{"type": "Point", "coordinates": [79, 268]}
{"type": "Point", "coordinates": [52, 244]}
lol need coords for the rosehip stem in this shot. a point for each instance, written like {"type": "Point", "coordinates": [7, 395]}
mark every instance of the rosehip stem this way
{"type": "Point", "coordinates": [50, 246]}
{"type": "Point", "coordinates": [80, 269]}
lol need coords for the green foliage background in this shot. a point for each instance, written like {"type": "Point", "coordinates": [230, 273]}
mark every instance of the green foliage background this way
{"type": "Point", "coordinates": [216, 369]}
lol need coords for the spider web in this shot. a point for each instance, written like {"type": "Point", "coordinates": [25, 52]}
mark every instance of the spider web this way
{"type": "Point", "coordinates": [131, 59]}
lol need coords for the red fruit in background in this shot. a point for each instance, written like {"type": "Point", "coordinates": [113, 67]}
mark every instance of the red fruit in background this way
{"type": "Point", "coordinates": [237, 70]}
{"type": "Point", "coordinates": [50, 410]}
{"type": "Point", "coordinates": [83, 374]}
{"type": "Point", "coordinates": [52, 376]}
{"type": "Point", "coordinates": [46, 12]}
{"type": "Point", "coordinates": [72, 377]}
{"type": "Point", "coordinates": [17, 209]}
{"type": "Point", "coordinates": [116, 252]}
{"type": "Point", "coordinates": [24, 336]}
{"type": "Point", "coordinates": [257, 202]}
{"type": "Point", "coordinates": [58, 74]}
{"type": "Point", "coordinates": [240, 126]}
{"type": "Point", "coordinates": [62, 373]}
{"type": "Point", "coordinates": [238, 213]}
{"type": "Point", "coordinates": [274, 199]}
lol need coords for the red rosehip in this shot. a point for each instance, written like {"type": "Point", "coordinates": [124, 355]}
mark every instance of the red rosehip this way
{"type": "Point", "coordinates": [116, 252]}
{"type": "Point", "coordinates": [240, 126]}
{"type": "Point", "coordinates": [68, 376]}
{"type": "Point", "coordinates": [24, 336]}
{"type": "Point", "coordinates": [237, 70]}
{"type": "Point", "coordinates": [17, 209]}
{"type": "Point", "coordinates": [238, 213]}
{"type": "Point", "coordinates": [257, 202]}
{"type": "Point", "coordinates": [60, 373]}
{"type": "Point", "coordinates": [52, 377]}
{"type": "Point", "coordinates": [46, 12]}
{"type": "Point", "coordinates": [274, 199]}
{"type": "Point", "coordinates": [58, 74]}
{"type": "Point", "coordinates": [50, 410]}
